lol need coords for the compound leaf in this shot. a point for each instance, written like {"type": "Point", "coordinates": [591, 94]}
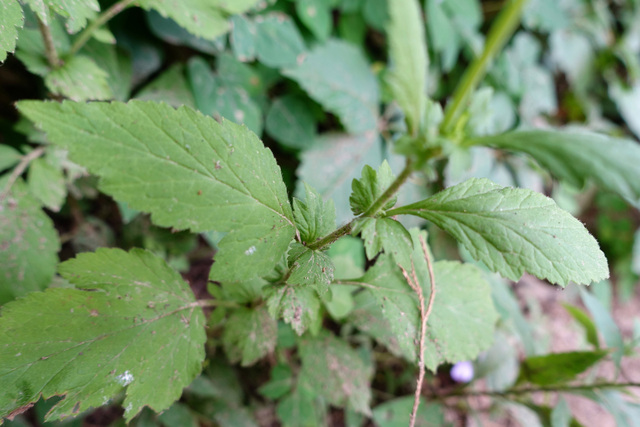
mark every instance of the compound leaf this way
{"type": "Point", "coordinates": [576, 157]}
{"type": "Point", "coordinates": [11, 19]}
{"type": "Point", "coordinates": [337, 76]}
{"type": "Point", "coordinates": [512, 230]}
{"type": "Point", "coordinates": [130, 325]}
{"type": "Point", "coordinates": [314, 217]}
{"type": "Point", "coordinates": [408, 51]}
{"type": "Point", "coordinates": [370, 187]}
{"type": "Point", "coordinates": [187, 170]}
{"type": "Point", "coordinates": [249, 335]}
{"type": "Point", "coordinates": [28, 243]}
{"type": "Point", "coordinates": [336, 371]}
{"type": "Point", "coordinates": [310, 268]}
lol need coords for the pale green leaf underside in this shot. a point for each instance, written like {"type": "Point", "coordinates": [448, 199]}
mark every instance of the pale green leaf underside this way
{"type": "Point", "coordinates": [461, 323]}
{"type": "Point", "coordinates": [515, 230]}
{"type": "Point", "coordinates": [338, 77]}
{"type": "Point", "coordinates": [337, 372]}
{"type": "Point", "coordinates": [79, 79]}
{"type": "Point", "coordinates": [28, 244]}
{"type": "Point", "coordinates": [131, 325]}
{"type": "Point", "coordinates": [76, 12]}
{"type": "Point", "coordinates": [187, 170]}
{"type": "Point", "coordinates": [408, 51]}
{"type": "Point", "coordinates": [10, 20]}
{"type": "Point", "coordinates": [577, 157]}
{"type": "Point", "coordinates": [249, 335]}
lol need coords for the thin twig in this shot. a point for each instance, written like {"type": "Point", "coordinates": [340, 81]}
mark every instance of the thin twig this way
{"type": "Point", "coordinates": [49, 47]}
{"type": "Point", "coordinates": [425, 312]}
{"type": "Point", "coordinates": [24, 162]}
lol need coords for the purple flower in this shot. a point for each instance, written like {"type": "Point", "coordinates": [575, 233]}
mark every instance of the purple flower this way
{"type": "Point", "coordinates": [462, 372]}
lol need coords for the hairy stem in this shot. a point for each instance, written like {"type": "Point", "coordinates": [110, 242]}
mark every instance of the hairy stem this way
{"type": "Point", "coordinates": [24, 162]}
{"type": "Point", "coordinates": [102, 19]}
{"type": "Point", "coordinates": [531, 390]}
{"type": "Point", "coordinates": [49, 48]}
{"type": "Point", "coordinates": [375, 207]}
{"type": "Point", "coordinates": [504, 26]}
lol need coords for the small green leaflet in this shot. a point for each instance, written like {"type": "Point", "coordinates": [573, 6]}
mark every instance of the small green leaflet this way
{"type": "Point", "coordinates": [9, 157]}
{"type": "Point", "coordinates": [278, 42]}
{"type": "Point", "coordinates": [408, 51]}
{"type": "Point", "coordinates": [302, 408]}
{"type": "Point", "coordinates": [79, 79]}
{"type": "Point", "coordinates": [242, 38]}
{"type": "Point", "coordinates": [10, 20]}
{"type": "Point", "coordinates": [249, 335]}
{"type": "Point", "coordinates": [515, 230]}
{"type": "Point", "coordinates": [397, 412]}
{"type": "Point", "coordinates": [577, 157]}
{"type": "Point", "coordinates": [28, 243]}
{"type": "Point", "coordinates": [461, 323]}
{"type": "Point", "coordinates": [314, 217]}
{"type": "Point", "coordinates": [316, 16]}
{"type": "Point", "coordinates": [387, 234]}
{"type": "Point", "coordinates": [558, 368]}
{"type": "Point", "coordinates": [370, 187]}
{"type": "Point", "coordinates": [337, 372]}
{"type": "Point", "coordinates": [279, 384]}
{"type": "Point", "coordinates": [76, 12]}
{"type": "Point", "coordinates": [131, 325]}
{"type": "Point", "coordinates": [310, 268]}
{"type": "Point", "coordinates": [46, 183]}
{"type": "Point", "coordinates": [187, 170]}
{"type": "Point", "coordinates": [296, 305]}
{"type": "Point", "coordinates": [211, 21]}
{"type": "Point", "coordinates": [338, 76]}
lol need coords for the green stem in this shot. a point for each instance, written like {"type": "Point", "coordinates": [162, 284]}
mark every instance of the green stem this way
{"type": "Point", "coordinates": [504, 26]}
{"type": "Point", "coordinates": [211, 303]}
{"type": "Point", "coordinates": [49, 47]}
{"type": "Point", "coordinates": [375, 207]}
{"type": "Point", "coordinates": [24, 162]}
{"type": "Point", "coordinates": [102, 19]}
{"type": "Point", "coordinates": [531, 390]}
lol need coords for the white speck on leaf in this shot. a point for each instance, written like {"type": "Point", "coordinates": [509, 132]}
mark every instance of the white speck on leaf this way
{"type": "Point", "coordinates": [125, 378]}
{"type": "Point", "coordinates": [250, 251]}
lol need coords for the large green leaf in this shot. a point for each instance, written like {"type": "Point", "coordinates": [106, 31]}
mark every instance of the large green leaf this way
{"type": "Point", "coordinates": [512, 230]}
{"type": "Point", "coordinates": [408, 52]}
{"type": "Point", "coordinates": [249, 335]}
{"type": "Point", "coordinates": [10, 20]}
{"type": "Point", "coordinates": [338, 76]}
{"type": "Point", "coordinates": [28, 243]}
{"type": "Point", "coordinates": [336, 371]}
{"type": "Point", "coordinates": [577, 157]}
{"type": "Point", "coordinates": [202, 18]}
{"type": "Point", "coordinates": [131, 325]}
{"type": "Point", "coordinates": [187, 170]}
{"type": "Point", "coordinates": [76, 12]}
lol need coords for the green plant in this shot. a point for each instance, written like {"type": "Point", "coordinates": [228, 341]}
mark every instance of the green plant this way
{"type": "Point", "coordinates": [125, 325]}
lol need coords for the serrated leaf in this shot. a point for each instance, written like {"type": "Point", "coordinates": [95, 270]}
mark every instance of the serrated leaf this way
{"type": "Point", "coordinates": [131, 325]}
{"type": "Point", "coordinates": [249, 335]}
{"type": "Point", "coordinates": [296, 305]}
{"type": "Point", "coordinates": [385, 234]}
{"type": "Point", "coordinates": [515, 230]}
{"type": "Point", "coordinates": [370, 187]}
{"type": "Point", "coordinates": [171, 87]}
{"type": "Point", "coordinates": [310, 268]}
{"type": "Point", "coordinates": [76, 12]}
{"type": "Point", "coordinates": [577, 157]}
{"type": "Point", "coordinates": [187, 170]}
{"type": "Point", "coordinates": [336, 371]}
{"type": "Point", "coordinates": [408, 52]}
{"type": "Point", "coordinates": [79, 79]}
{"type": "Point", "coordinates": [210, 21]}
{"type": "Point", "coordinates": [9, 157]}
{"type": "Point", "coordinates": [558, 368]}
{"type": "Point", "coordinates": [11, 19]}
{"type": "Point", "coordinates": [314, 217]}
{"type": "Point", "coordinates": [278, 41]}
{"type": "Point", "coordinates": [291, 123]}
{"type": "Point", "coordinates": [333, 162]}
{"type": "Point", "coordinates": [338, 76]}
{"type": "Point", "coordinates": [29, 243]}
{"type": "Point", "coordinates": [397, 413]}
{"type": "Point", "coordinates": [461, 323]}
{"type": "Point", "coordinates": [316, 16]}
{"type": "Point", "coordinates": [46, 183]}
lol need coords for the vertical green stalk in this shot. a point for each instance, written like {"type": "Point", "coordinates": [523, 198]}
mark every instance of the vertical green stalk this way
{"type": "Point", "coordinates": [104, 17]}
{"type": "Point", "coordinates": [500, 32]}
